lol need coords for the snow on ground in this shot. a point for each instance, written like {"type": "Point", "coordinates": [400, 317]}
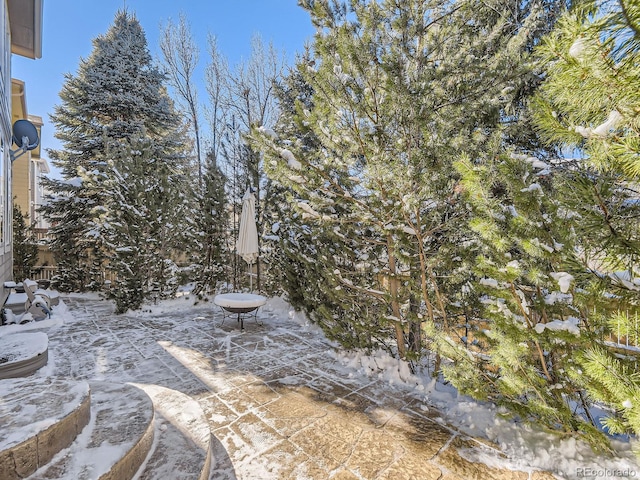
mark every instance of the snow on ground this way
{"type": "Point", "coordinates": [22, 346]}
{"type": "Point", "coordinates": [525, 446]}
{"type": "Point", "coordinates": [531, 446]}
{"type": "Point", "coordinates": [23, 419]}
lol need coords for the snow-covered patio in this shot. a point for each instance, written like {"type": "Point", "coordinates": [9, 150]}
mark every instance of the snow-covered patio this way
{"type": "Point", "coordinates": [283, 402]}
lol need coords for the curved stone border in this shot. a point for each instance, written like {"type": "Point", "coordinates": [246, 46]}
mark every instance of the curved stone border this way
{"type": "Point", "coordinates": [130, 463]}
{"type": "Point", "coordinates": [23, 459]}
{"type": "Point", "coordinates": [184, 437]}
{"type": "Point", "coordinates": [24, 366]}
{"type": "Point", "coordinates": [119, 436]}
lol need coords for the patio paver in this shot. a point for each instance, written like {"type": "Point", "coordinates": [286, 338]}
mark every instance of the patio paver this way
{"type": "Point", "coordinates": [274, 396]}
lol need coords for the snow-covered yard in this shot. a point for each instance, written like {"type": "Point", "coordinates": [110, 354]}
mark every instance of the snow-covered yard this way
{"type": "Point", "coordinates": [242, 381]}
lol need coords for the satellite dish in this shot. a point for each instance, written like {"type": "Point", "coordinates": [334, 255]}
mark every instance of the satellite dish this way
{"type": "Point", "coordinates": [25, 135]}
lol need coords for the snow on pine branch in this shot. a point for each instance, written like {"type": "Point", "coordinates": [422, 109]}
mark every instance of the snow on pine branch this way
{"type": "Point", "coordinates": [564, 280]}
{"type": "Point", "coordinates": [291, 159]}
{"type": "Point", "coordinates": [622, 278]}
{"type": "Point", "coordinates": [267, 131]}
{"type": "Point", "coordinates": [532, 188]}
{"type": "Point", "coordinates": [604, 129]}
{"type": "Point", "coordinates": [570, 325]}
{"type": "Point", "coordinates": [578, 48]}
{"type": "Point", "coordinates": [542, 167]}
{"type": "Point", "coordinates": [304, 206]}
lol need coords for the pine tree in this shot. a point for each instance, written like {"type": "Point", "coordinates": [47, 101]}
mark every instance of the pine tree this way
{"type": "Point", "coordinates": [536, 307]}
{"type": "Point", "coordinates": [25, 246]}
{"type": "Point", "coordinates": [399, 92]}
{"type": "Point", "coordinates": [559, 240]}
{"type": "Point", "coordinates": [300, 260]}
{"type": "Point", "coordinates": [589, 106]}
{"type": "Point", "coordinates": [210, 257]}
{"type": "Point", "coordinates": [138, 224]}
{"type": "Point", "coordinates": [122, 198]}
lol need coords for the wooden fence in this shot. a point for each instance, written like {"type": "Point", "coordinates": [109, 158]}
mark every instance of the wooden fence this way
{"type": "Point", "coordinates": [623, 340]}
{"type": "Point", "coordinates": [43, 273]}
{"type": "Point", "coordinates": [48, 272]}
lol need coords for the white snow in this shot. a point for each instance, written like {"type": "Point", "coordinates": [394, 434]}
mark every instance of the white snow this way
{"type": "Point", "coordinates": [298, 179]}
{"type": "Point", "coordinates": [532, 188]}
{"type": "Point", "coordinates": [291, 159]}
{"type": "Point", "coordinates": [22, 346]}
{"type": "Point", "coordinates": [489, 282]}
{"type": "Point", "coordinates": [570, 325]}
{"type": "Point", "coordinates": [535, 162]}
{"type": "Point", "coordinates": [557, 297]}
{"type": "Point", "coordinates": [308, 209]}
{"type": "Point", "coordinates": [269, 132]}
{"type": "Point", "coordinates": [564, 280]}
{"type": "Point", "coordinates": [602, 130]}
{"type": "Point", "coordinates": [609, 124]}
{"type": "Point", "coordinates": [512, 210]}
{"type": "Point", "coordinates": [239, 300]}
{"type": "Point", "coordinates": [538, 164]}
{"type": "Point", "coordinates": [624, 279]}
{"type": "Point", "coordinates": [578, 48]}
{"type": "Point", "coordinates": [73, 395]}
{"type": "Point", "coordinates": [74, 182]}
{"type": "Point", "coordinates": [525, 447]}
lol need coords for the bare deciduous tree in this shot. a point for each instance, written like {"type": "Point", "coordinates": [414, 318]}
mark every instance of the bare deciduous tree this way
{"type": "Point", "coordinates": [240, 98]}
{"type": "Point", "coordinates": [180, 54]}
{"type": "Point", "coordinates": [251, 85]}
{"type": "Point", "coordinates": [217, 85]}
{"type": "Point", "coordinates": [254, 103]}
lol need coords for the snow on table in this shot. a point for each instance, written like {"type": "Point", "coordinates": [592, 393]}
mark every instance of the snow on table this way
{"type": "Point", "coordinates": [239, 300]}
{"type": "Point", "coordinates": [240, 303]}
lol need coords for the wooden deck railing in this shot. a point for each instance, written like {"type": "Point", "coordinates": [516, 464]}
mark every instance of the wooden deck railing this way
{"type": "Point", "coordinates": [41, 234]}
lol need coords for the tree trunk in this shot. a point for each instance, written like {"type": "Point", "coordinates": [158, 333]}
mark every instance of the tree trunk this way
{"type": "Point", "coordinates": [394, 285]}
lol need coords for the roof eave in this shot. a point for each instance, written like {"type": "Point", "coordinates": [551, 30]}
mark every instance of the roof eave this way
{"type": "Point", "coordinates": [25, 18]}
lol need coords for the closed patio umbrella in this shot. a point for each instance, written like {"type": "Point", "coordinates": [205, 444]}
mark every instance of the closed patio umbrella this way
{"type": "Point", "coordinates": [247, 244]}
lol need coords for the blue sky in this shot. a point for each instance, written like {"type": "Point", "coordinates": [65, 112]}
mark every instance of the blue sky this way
{"type": "Point", "coordinates": [69, 26]}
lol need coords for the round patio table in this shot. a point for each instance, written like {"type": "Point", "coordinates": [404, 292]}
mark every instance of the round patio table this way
{"type": "Point", "coordinates": [240, 303]}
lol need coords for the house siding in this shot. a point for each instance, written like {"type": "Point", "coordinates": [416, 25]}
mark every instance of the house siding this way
{"type": "Point", "coordinates": [27, 21]}
{"type": "Point", "coordinates": [6, 263]}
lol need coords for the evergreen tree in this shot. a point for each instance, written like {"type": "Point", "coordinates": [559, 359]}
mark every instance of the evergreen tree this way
{"type": "Point", "coordinates": [281, 253]}
{"type": "Point", "coordinates": [25, 246]}
{"type": "Point", "coordinates": [211, 254]}
{"type": "Point", "coordinates": [138, 224]}
{"type": "Point", "coordinates": [557, 265]}
{"type": "Point", "coordinates": [122, 197]}
{"type": "Point", "coordinates": [536, 308]}
{"type": "Point", "coordinates": [301, 259]}
{"type": "Point", "coordinates": [399, 91]}
{"type": "Point", "coordinates": [589, 105]}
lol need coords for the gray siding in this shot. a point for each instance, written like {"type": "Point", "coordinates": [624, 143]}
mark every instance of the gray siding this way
{"type": "Point", "coordinates": [6, 275]}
